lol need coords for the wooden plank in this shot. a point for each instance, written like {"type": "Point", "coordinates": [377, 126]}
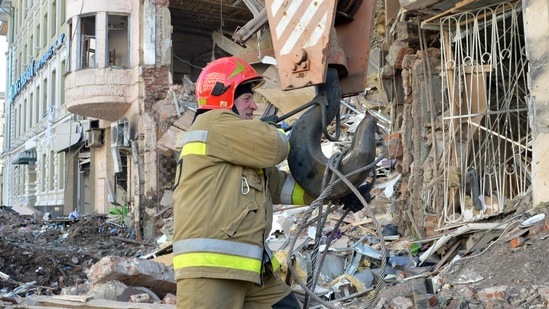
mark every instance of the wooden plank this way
{"type": "Point", "coordinates": [166, 259]}
{"type": "Point", "coordinates": [448, 256]}
{"type": "Point", "coordinates": [483, 241]}
{"type": "Point", "coordinates": [131, 241]}
{"type": "Point", "coordinates": [76, 298]}
{"type": "Point", "coordinates": [227, 44]}
{"type": "Point", "coordinates": [391, 10]}
{"type": "Point", "coordinates": [49, 301]}
{"type": "Point", "coordinates": [517, 232]}
{"type": "Point", "coordinates": [462, 230]}
{"type": "Point", "coordinates": [358, 222]}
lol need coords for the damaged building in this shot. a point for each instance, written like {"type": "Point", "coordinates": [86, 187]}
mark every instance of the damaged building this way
{"type": "Point", "coordinates": [100, 94]}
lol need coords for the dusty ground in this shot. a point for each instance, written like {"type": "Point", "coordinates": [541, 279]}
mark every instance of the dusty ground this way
{"type": "Point", "coordinates": [518, 269]}
{"type": "Point", "coordinates": [522, 270]}
{"type": "Point", "coordinates": [502, 265]}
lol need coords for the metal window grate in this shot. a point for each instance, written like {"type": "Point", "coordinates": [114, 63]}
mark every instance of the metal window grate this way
{"type": "Point", "coordinates": [486, 136]}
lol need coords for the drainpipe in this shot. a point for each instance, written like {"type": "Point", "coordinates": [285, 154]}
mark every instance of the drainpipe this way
{"type": "Point", "coordinates": [9, 71]}
{"type": "Point", "coordinates": [7, 102]}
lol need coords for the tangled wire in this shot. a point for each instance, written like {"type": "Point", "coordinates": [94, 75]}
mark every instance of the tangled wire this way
{"type": "Point", "coordinates": [332, 177]}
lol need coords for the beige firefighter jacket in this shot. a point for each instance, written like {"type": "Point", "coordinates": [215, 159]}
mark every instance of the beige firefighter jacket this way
{"type": "Point", "coordinates": [223, 202]}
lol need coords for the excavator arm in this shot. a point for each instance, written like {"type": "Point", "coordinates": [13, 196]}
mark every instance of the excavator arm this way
{"type": "Point", "coordinates": [325, 44]}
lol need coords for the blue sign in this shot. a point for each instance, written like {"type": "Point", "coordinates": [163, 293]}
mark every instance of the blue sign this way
{"type": "Point", "coordinates": [34, 67]}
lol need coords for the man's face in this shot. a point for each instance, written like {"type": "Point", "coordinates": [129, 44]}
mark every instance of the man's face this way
{"type": "Point", "coordinates": [245, 105]}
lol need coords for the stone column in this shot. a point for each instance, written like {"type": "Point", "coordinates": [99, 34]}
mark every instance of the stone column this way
{"type": "Point", "coordinates": [536, 28]}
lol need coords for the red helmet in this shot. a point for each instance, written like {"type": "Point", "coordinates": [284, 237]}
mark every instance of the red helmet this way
{"type": "Point", "coordinates": [217, 82]}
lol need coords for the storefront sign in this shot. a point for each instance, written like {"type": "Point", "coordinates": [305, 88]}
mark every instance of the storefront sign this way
{"type": "Point", "coordinates": [33, 68]}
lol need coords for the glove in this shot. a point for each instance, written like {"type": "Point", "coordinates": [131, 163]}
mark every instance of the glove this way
{"type": "Point", "coordinates": [272, 119]}
{"type": "Point", "coordinates": [352, 202]}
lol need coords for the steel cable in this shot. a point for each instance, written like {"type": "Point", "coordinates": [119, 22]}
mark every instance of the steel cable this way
{"type": "Point", "coordinates": [332, 171]}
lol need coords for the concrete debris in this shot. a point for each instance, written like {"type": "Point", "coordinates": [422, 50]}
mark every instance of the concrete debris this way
{"type": "Point", "coordinates": [38, 301]}
{"type": "Point", "coordinates": [363, 260]}
{"type": "Point", "coordinates": [94, 261]}
{"type": "Point", "coordinates": [110, 290]}
{"type": "Point", "coordinates": [404, 250]}
{"type": "Point", "coordinates": [26, 210]}
{"type": "Point", "coordinates": [135, 272]}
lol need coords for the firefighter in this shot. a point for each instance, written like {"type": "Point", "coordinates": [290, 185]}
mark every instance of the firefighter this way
{"type": "Point", "coordinates": [227, 184]}
{"type": "Point", "coordinates": [223, 200]}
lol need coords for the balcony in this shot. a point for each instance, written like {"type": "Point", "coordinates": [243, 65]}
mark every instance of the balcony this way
{"type": "Point", "coordinates": [102, 93]}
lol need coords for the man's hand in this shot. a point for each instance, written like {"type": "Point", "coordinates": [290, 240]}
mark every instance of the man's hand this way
{"type": "Point", "coordinates": [352, 202]}
{"type": "Point", "coordinates": [272, 119]}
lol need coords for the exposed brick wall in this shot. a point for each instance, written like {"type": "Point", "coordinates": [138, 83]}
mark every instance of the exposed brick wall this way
{"type": "Point", "coordinates": [156, 83]}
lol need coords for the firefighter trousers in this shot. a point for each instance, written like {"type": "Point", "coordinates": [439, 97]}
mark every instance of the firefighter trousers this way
{"type": "Point", "coordinates": [211, 293]}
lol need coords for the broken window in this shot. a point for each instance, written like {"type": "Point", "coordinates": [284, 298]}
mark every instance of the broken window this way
{"type": "Point", "coordinates": [487, 136]}
{"type": "Point", "coordinates": [121, 178]}
{"type": "Point", "coordinates": [88, 42]}
{"type": "Point", "coordinates": [117, 41]}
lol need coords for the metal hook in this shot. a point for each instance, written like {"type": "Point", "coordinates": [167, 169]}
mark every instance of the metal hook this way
{"type": "Point", "coordinates": [306, 160]}
{"type": "Point", "coordinates": [245, 187]}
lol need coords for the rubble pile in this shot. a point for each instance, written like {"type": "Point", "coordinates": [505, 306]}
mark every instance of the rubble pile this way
{"type": "Point", "coordinates": [497, 262]}
{"type": "Point", "coordinates": [43, 257]}
{"type": "Point", "coordinates": [491, 263]}
{"type": "Point", "coordinates": [364, 259]}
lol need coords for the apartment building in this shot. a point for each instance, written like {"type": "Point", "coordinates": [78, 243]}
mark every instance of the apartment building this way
{"type": "Point", "coordinates": [34, 172]}
{"type": "Point", "coordinates": [83, 76]}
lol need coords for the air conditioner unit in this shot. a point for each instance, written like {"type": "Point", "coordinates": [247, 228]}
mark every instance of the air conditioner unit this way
{"type": "Point", "coordinates": [120, 133]}
{"type": "Point", "coordinates": [94, 137]}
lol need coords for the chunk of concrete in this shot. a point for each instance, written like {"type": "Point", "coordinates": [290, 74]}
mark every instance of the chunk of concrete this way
{"type": "Point", "coordinates": [134, 272]}
{"type": "Point", "coordinates": [110, 290]}
{"type": "Point", "coordinates": [167, 198]}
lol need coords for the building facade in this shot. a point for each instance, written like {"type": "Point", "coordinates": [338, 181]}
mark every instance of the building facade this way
{"type": "Point", "coordinates": [83, 77]}
{"type": "Point", "coordinates": [34, 172]}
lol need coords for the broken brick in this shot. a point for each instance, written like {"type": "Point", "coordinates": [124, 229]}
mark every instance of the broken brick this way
{"type": "Point", "coordinates": [516, 242]}
{"type": "Point", "coordinates": [497, 293]}
{"type": "Point", "coordinates": [394, 145]}
{"type": "Point", "coordinates": [397, 51]}
{"type": "Point", "coordinates": [537, 228]}
{"type": "Point", "coordinates": [169, 299]}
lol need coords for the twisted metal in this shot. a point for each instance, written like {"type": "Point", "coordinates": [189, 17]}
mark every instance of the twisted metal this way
{"type": "Point", "coordinates": [335, 177]}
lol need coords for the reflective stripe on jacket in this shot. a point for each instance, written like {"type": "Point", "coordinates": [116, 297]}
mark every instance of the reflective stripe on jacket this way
{"type": "Point", "coordinates": [223, 202]}
{"type": "Point", "coordinates": [205, 252]}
